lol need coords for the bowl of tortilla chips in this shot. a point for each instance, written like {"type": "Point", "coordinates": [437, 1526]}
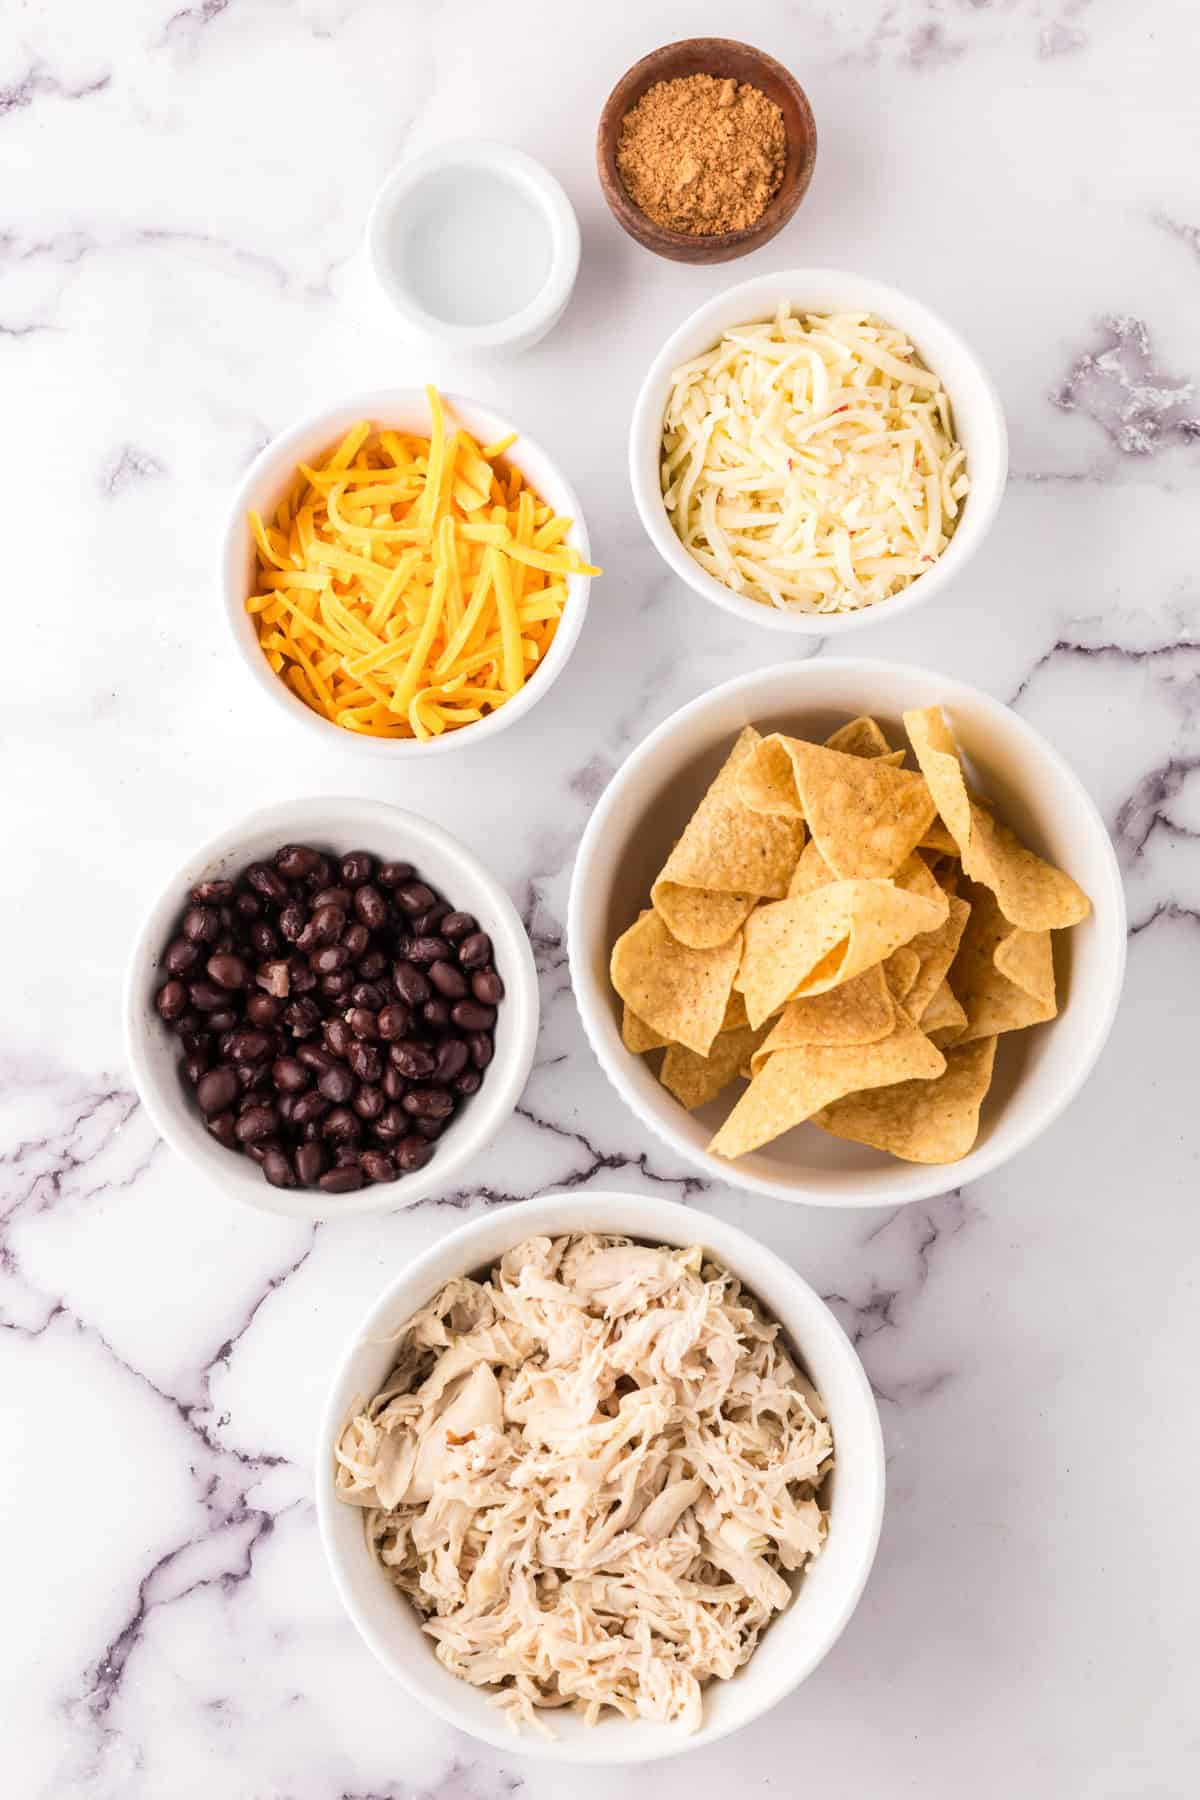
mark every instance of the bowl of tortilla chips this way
{"type": "Point", "coordinates": [846, 932]}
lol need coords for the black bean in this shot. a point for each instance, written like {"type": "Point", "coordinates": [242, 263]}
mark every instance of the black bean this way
{"type": "Point", "coordinates": [329, 960]}
{"type": "Point", "coordinates": [292, 921]}
{"type": "Point", "coordinates": [327, 923]}
{"type": "Point", "coordinates": [310, 1162]}
{"type": "Point", "coordinates": [274, 979]}
{"type": "Point", "coordinates": [336, 986]}
{"type": "Point", "coordinates": [426, 924]}
{"type": "Point", "coordinates": [468, 1015]}
{"type": "Point", "coordinates": [394, 1084]}
{"type": "Point", "coordinates": [338, 1036]}
{"type": "Point", "coordinates": [247, 906]}
{"type": "Point", "coordinates": [228, 971]}
{"type": "Point", "coordinates": [278, 1170]}
{"type": "Point", "coordinates": [394, 874]}
{"type": "Point", "coordinates": [450, 982]}
{"type": "Point", "coordinates": [428, 1103]}
{"type": "Point", "coordinates": [487, 987]}
{"type": "Point", "coordinates": [301, 976]}
{"type": "Point", "coordinates": [251, 1046]}
{"type": "Point", "coordinates": [347, 1156]}
{"type": "Point", "coordinates": [223, 1129]}
{"type": "Point", "coordinates": [302, 1017]}
{"type": "Point", "coordinates": [370, 906]}
{"type": "Point", "coordinates": [356, 938]}
{"type": "Point", "coordinates": [289, 1075]}
{"type": "Point", "coordinates": [341, 1126]}
{"type": "Point", "coordinates": [457, 925]}
{"type": "Point", "coordinates": [429, 950]}
{"type": "Point", "coordinates": [475, 952]}
{"type": "Point", "coordinates": [370, 995]}
{"type": "Point", "coordinates": [181, 955]}
{"type": "Point", "coordinates": [341, 1181]}
{"type": "Point", "coordinates": [216, 1090]}
{"type": "Point", "coordinates": [256, 1123]}
{"type": "Point", "coordinates": [391, 1124]}
{"type": "Point", "coordinates": [357, 866]}
{"type": "Point", "coordinates": [315, 1056]}
{"type": "Point", "coordinates": [369, 1101]}
{"type": "Point", "coordinates": [265, 881]}
{"type": "Point", "coordinates": [295, 861]}
{"type": "Point", "coordinates": [452, 1056]}
{"type": "Point", "coordinates": [412, 1059]}
{"type": "Point", "coordinates": [252, 1076]}
{"type": "Point", "coordinates": [430, 1128]}
{"type": "Point", "coordinates": [206, 996]}
{"type": "Point", "coordinates": [195, 1065]}
{"type": "Point", "coordinates": [469, 1082]}
{"type": "Point", "coordinates": [377, 1165]}
{"type": "Point", "coordinates": [482, 1049]}
{"type": "Point", "coordinates": [411, 984]}
{"type": "Point", "coordinates": [321, 874]}
{"type": "Point", "coordinates": [172, 1001]}
{"type": "Point", "coordinates": [415, 897]}
{"type": "Point", "coordinates": [412, 1153]}
{"type": "Point", "coordinates": [264, 941]}
{"type": "Point", "coordinates": [436, 1013]}
{"type": "Point", "coordinates": [309, 939]}
{"type": "Point", "coordinates": [257, 1149]}
{"type": "Point", "coordinates": [285, 1106]}
{"type": "Point", "coordinates": [337, 1083]}
{"type": "Point", "coordinates": [309, 1108]}
{"type": "Point", "coordinates": [364, 1060]}
{"type": "Point", "coordinates": [393, 1022]}
{"type": "Point", "coordinates": [341, 897]}
{"type": "Point", "coordinates": [264, 1009]}
{"type": "Point", "coordinates": [224, 1019]}
{"type": "Point", "coordinates": [373, 965]}
{"type": "Point", "coordinates": [192, 1035]}
{"type": "Point", "coordinates": [211, 893]}
{"type": "Point", "coordinates": [202, 925]}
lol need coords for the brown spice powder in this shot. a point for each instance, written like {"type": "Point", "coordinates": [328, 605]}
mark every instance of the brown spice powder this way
{"type": "Point", "coordinates": [702, 154]}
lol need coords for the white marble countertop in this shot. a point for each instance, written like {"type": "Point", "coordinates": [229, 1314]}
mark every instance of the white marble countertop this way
{"type": "Point", "coordinates": [181, 203]}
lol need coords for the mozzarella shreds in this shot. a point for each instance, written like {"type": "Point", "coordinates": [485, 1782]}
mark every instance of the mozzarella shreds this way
{"type": "Point", "coordinates": [811, 462]}
{"type": "Point", "coordinates": [592, 1474]}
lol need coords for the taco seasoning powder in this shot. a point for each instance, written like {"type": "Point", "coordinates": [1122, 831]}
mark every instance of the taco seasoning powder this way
{"type": "Point", "coordinates": [702, 154]}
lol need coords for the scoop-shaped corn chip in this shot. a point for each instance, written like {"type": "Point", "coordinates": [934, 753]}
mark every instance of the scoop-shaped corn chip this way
{"type": "Point", "coordinates": [678, 992]}
{"type": "Point", "coordinates": [921, 1121]}
{"type": "Point", "coordinates": [865, 814]}
{"type": "Point", "coordinates": [819, 940]}
{"type": "Point", "coordinates": [727, 858]}
{"type": "Point", "coordinates": [792, 1085]}
{"type": "Point", "coordinates": [695, 1080]}
{"type": "Point", "coordinates": [1003, 976]}
{"type": "Point", "coordinates": [861, 1011]}
{"type": "Point", "coordinates": [1031, 893]}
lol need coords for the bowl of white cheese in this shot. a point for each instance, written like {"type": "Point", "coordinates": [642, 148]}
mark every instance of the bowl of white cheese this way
{"type": "Point", "coordinates": [816, 452]}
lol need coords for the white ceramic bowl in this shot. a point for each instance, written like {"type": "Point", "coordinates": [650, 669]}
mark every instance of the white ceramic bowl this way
{"type": "Point", "coordinates": [826, 1594]}
{"type": "Point", "coordinates": [336, 826]}
{"type": "Point", "coordinates": [451, 235]}
{"type": "Point", "coordinates": [978, 417]}
{"type": "Point", "coordinates": [269, 475]}
{"type": "Point", "coordinates": [649, 800]}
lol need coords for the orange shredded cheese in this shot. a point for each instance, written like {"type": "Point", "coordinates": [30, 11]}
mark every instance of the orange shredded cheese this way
{"type": "Point", "coordinates": [408, 586]}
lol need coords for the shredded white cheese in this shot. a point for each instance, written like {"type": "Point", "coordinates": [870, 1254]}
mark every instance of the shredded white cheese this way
{"type": "Point", "coordinates": [810, 462]}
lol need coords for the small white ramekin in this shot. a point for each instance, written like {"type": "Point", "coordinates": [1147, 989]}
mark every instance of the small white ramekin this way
{"type": "Point", "coordinates": [826, 1594]}
{"type": "Point", "coordinates": [406, 410]}
{"type": "Point", "coordinates": [401, 194]}
{"type": "Point", "coordinates": [648, 802]}
{"type": "Point", "coordinates": [335, 826]}
{"type": "Point", "coordinates": [978, 417]}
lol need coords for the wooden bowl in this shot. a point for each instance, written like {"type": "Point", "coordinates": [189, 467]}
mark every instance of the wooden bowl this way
{"type": "Point", "coordinates": [727, 58]}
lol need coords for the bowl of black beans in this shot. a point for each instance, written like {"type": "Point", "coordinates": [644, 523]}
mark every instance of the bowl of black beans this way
{"type": "Point", "coordinates": [331, 1009]}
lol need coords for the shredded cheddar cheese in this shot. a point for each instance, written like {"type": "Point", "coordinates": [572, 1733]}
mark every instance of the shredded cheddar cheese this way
{"type": "Point", "coordinates": [811, 463]}
{"type": "Point", "coordinates": [408, 586]}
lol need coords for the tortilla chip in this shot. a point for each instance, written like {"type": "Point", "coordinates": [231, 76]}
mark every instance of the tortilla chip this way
{"type": "Point", "coordinates": [938, 838]}
{"type": "Point", "coordinates": [865, 814]}
{"type": "Point", "coordinates": [792, 1085]}
{"type": "Point", "coordinates": [916, 877]}
{"type": "Point", "coordinates": [1003, 977]}
{"type": "Point", "coordinates": [728, 857]}
{"type": "Point", "coordinates": [921, 1121]}
{"type": "Point", "coordinates": [695, 1080]}
{"type": "Point", "coordinates": [820, 940]}
{"type": "Point", "coordinates": [947, 872]}
{"type": "Point", "coordinates": [943, 1019]}
{"type": "Point", "coordinates": [812, 871]}
{"type": "Point", "coordinates": [936, 950]}
{"type": "Point", "coordinates": [859, 1012]}
{"type": "Point", "coordinates": [863, 737]}
{"type": "Point", "coordinates": [679, 992]}
{"type": "Point", "coordinates": [1031, 893]}
{"type": "Point", "coordinates": [900, 971]}
{"type": "Point", "coordinates": [735, 1012]}
{"type": "Point", "coordinates": [637, 1036]}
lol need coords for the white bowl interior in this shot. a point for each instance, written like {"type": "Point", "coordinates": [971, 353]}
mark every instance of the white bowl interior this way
{"type": "Point", "coordinates": [825, 1596]}
{"type": "Point", "coordinates": [401, 409]}
{"type": "Point", "coordinates": [653, 795]}
{"type": "Point", "coordinates": [335, 826]}
{"type": "Point", "coordinates": [978, 417]}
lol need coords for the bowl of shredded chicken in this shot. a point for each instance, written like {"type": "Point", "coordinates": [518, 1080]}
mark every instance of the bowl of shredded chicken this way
{"type": "Point", "coordinates": [593, 1475]}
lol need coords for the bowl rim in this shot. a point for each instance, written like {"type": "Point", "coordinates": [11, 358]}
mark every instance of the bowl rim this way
{"type": "Point", "coordinates": [557, 1212]}
{"type": "Point", "coordinates": [919, 1181]}
{"type": "Point", "coordinates": [664, 240]}
{"type": "Point", "coordinates": [371, 403]}
{"type": "Point", "coordinates": [525, 170]}
{"type": "Point", "coordinates": [235, 1176]}
{"type": "Point", "coordinates": [884, 300]}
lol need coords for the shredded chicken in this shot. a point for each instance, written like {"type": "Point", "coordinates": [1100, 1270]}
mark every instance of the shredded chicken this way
{"type": "Point", "coordinates": [592, 1473]}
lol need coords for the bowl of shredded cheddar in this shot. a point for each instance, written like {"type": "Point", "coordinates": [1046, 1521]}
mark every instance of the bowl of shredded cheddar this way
{"type": "Point", "coordinates": [406, 570]}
